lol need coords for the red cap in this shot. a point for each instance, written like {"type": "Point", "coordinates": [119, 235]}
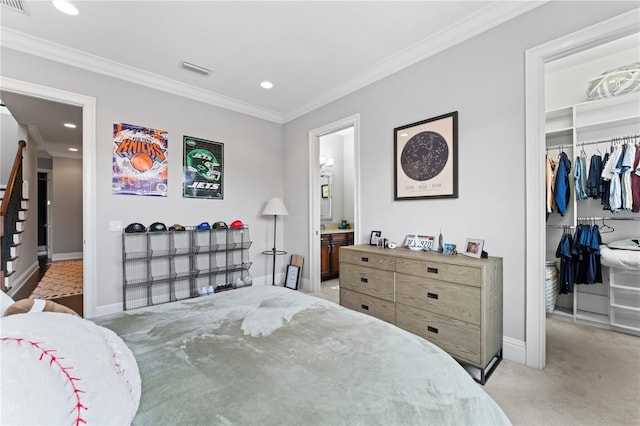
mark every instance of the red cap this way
{"type": "Point", "coordinates": [237, 224]}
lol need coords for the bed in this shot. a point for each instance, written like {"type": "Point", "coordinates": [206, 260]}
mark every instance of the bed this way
{"type": "Point", "coordinates": [266, 355]}
{"type": "Point", "coordinates": [270, 355]}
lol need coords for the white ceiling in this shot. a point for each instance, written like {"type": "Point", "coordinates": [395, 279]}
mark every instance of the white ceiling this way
{"type": "Point", "coordinates": [313, 51]}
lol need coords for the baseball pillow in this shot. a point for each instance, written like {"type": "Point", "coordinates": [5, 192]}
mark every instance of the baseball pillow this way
{"type": "Point", "coordinates": [65, 370]}
{"type": "Point", "coordinates": [26, 306]}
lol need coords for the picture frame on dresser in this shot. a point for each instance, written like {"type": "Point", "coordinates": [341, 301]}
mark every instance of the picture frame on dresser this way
{"type": "Point", "coordinates": [375, 237]}
{"type": "Point", "coordinates": [426, 158]}
{"type": "Point", "coordinates": [473, 247]}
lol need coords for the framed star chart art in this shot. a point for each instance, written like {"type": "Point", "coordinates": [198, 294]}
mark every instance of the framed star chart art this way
{"type": "Point", "coordinates": [426, 159]}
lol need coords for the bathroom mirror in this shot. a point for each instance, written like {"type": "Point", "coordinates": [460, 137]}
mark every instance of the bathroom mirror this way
{"type": "Point", "coordinates": [325, 196]}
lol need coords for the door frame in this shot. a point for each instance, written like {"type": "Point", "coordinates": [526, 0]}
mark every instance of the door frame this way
{"type": "Point", "coordinates": [314, 182]}
{"type": "Point", "coordinates": [88, 105]}
{"type": "Point", "coordinates": [535, 60]}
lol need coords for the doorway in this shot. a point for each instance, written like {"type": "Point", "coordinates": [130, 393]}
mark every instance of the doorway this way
{"type": "Point", "coordinates": [344, 172]}
{"type": "Point", "coordinates": [535, 61]}
{"type": "Point", "coordinates": [88, 105]}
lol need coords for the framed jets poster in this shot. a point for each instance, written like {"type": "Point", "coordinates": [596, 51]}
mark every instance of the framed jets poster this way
{"type": "Point", "coordinates": [203, 166]}
{"type": "Point", "coordinates": [139, 160]}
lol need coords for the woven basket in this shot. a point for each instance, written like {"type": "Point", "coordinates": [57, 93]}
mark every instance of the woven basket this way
{"type": "Point", "coordinates": [551, 285]}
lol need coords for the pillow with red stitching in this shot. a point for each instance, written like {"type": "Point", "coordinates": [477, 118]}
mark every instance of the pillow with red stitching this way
{"type": "Point", "coordinates": [62, 369]}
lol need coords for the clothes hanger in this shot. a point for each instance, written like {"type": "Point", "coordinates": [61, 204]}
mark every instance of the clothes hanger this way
{"type": "Point", "coordinates": [605, 229]}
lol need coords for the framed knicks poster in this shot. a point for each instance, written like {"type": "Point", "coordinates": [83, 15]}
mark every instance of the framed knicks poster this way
{"type": "Point", "coordinates": [139, 160]}
{"type": "Point", "coordinates": [203, 166]}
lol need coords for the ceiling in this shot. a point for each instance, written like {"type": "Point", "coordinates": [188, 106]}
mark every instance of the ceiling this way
{"type": "Point", "coordinates": [312, 51]}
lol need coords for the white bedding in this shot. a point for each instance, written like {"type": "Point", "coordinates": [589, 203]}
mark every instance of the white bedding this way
{"type": "Point", "coordinates": [274, 356]}
{"type": "Point", "coordinates": [623, 259]}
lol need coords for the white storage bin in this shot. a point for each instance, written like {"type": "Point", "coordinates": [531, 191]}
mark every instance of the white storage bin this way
{"type": "Point", "coordinates": [624, 277]}
{"type": "Point", "coordinates": [625, 297]}
{"type": "Point", "coordinates": [626, 318]}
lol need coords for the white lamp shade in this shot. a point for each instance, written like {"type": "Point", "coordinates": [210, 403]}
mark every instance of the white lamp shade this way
{"type": "Point", "coordinates": [275, 207]}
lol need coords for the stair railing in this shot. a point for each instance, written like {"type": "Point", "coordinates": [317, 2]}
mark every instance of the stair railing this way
{"type": "Point", "coordinates": [9, 212]}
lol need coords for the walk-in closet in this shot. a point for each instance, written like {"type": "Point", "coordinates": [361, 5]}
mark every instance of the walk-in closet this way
{"type": "Point", "coordinates": [592, 270]}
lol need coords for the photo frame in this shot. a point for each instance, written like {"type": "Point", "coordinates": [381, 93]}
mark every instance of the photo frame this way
{"type": "Point", "coordinates": [375, 236]}
{"type": "Point", "coordinates": [291, 280]}
{"type": "Point", "coordinates": [426, 158]}
{"type": "Point", "coordinates": [473, 247]}
{"type": "Point", "coordinates": [325, 191]}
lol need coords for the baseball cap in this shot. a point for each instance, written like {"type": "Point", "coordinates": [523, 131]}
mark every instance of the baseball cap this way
{"type": "Point", "coordinates": [237, 224]}
{"type": "Point", "coordinates": [157, 227]}
{"type": "Point", "coordinates": [204, 226]}
{"type": "Point", "coordinates": [135, 227]}
{"type": "Point", "coordinates": [176, 227]}
{"type": "Point", "coordinates": [220, 225]}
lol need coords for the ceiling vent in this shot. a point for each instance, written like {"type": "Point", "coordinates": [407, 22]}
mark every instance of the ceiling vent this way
{"type": "Point", "coordinates": [16, 5]}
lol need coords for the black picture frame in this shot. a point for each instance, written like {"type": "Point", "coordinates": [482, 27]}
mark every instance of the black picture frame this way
{"type": "Point", "coordinates": [375, 235]}
{"type": "Point", "coordinates": [324, 191]}
{"type": "Point", "coordinates": [425, 159]}
{"type": "Point", "coordinates": [292, 277]}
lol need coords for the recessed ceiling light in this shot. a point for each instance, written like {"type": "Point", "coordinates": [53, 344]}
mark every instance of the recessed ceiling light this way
{"type": "Point", "coordinates": [404, 134]}
{"type": "Point", "coordinates": [65, 7]}
{"type": "Point", "coordinates": [266, 84]}
{"type": "Point", "coordinates": [70, 125]}
{"type": "Point", "coordinates": [73, 149]}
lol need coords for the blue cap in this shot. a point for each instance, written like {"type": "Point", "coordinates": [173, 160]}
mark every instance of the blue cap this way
{"type": "Point", "coordinates": [204, 226]}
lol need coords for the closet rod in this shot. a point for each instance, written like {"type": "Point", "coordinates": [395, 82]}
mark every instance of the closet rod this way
{"type": "Point", "coordinates": [610, 140]}
{"type": "Point", "coordinates": [609, 218]}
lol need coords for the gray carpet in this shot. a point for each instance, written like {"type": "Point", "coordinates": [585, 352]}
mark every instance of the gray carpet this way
{"type": "Point", "coordinates": [592, 377]}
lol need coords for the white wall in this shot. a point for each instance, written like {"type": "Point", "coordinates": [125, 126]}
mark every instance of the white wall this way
{"type": "Point", "coordinates": [483, 79]}
{"type": "Point", "coordinates": [253, 163]}
{"type": "Point", "coordinates": [66, 208]}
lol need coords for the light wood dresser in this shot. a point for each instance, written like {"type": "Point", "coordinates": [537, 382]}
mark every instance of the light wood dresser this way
{"type": "Point", "coordinates": [453, 301]}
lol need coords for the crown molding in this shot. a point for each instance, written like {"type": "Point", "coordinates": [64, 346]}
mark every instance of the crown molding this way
{"type": "Point", "coordinates": [490, 16]}
{"type": "Point", "coordinates": [56, 52]}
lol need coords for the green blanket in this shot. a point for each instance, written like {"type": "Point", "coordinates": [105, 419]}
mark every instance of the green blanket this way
{"type": "Point", "coordinates": [275, 356]}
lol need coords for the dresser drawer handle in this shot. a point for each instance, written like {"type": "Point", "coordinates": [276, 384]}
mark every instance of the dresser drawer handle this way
{"type": "Point", "coordinates": [432, 270]}
{"type": "Point", "coordinates": [432, 329]}
{"type": "Point", "coordinates": [432, 295]}
{"type": "Point", "coordinates": [364, 280]}
{"type": "Point", "coordinates": [365, 307]}
{"type": "Point", "coordinates": [364, 259]}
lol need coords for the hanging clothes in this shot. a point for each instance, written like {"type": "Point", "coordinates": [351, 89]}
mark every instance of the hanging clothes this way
{"type": "Point", "coordinates": [593, 180]}
{"type": "Point", "coordinates": [635, 183]}
{"type": "Point", "coordinates": [550, 167]}
{"type": "Point", "coordinates": [604, 184]}
{"type": "Point", "coordinates": [625, 176]}
{"type": "Point", "coordinates": [563, 252]}
{"type": "Point", "coordinates": [562, 191]}
{"type": "Point", "coordinates": [580, 178]}
{"type": "Point", "coordinates": [585, 252]}
{"type": "Point", "coordinates": [615, 189]}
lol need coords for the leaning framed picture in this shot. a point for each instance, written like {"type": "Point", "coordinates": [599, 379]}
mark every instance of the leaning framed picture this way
{"type": "Point", "coordinates": [291, 280]}
{"type": "Point", "coordinates": [473, 247]}
{"type": "Point", "coordinates": [426, 158]}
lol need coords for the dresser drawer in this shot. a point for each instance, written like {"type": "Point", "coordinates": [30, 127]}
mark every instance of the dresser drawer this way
{"type": "Point", "coordinates": [460, 339]}
{"type": "Point", "coordinates": [373, 282]}
{"type": "Point", "coordinates": [381, 309]}
{"type": "Point", "coordinates": [371, 260]}
{"type": "Point", "coordinates": [440, 271]}
{"type": "Point", "coordinates": [457, 301]}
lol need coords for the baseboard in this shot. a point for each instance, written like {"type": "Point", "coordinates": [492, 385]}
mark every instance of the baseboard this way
{"type": "Point", "coordinates": [66, 256]}
{"type": "Point", "coordinates": [107, 309]}
{"type": "Point", "coordinates": [514, 350]}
